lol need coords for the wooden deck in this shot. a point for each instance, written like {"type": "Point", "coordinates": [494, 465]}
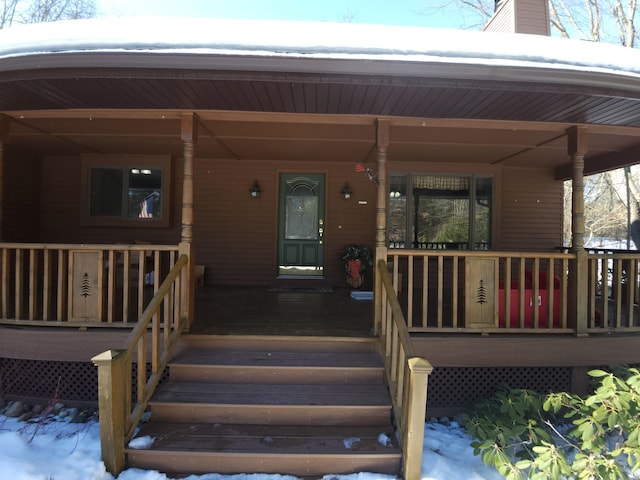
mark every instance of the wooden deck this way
{"type": "Point", "coordinates": [270, 311]}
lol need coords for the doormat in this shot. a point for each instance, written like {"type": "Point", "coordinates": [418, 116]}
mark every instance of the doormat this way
{"type": "Point", "coordinates": [301, 289]}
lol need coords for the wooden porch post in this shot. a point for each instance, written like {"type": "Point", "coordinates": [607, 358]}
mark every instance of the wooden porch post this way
{"type": "Point", "coordinates": [382, 142]}
{"type": "Point", "coordinates": [578, 270]}
{"type": "Point", "coordinates": [189, 136]}
{"type": "Point", "coordinates": [4, 139]}
{"type": "Point", "coordinates": [415, 413]}
{"type": "Point", "coordinates": [112, 406]}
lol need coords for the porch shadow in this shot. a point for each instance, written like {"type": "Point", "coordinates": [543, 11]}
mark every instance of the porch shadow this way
{"type": "Point", "coordinates": [263, 311]}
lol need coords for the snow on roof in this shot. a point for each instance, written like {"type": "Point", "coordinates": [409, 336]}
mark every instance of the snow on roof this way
{"type": "Point", "coordinates": [315, 40]}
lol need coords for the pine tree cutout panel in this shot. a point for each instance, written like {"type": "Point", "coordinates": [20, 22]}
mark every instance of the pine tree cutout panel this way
{"type": "Point", "coordinates": [85, 295]}
{"type": "Point", "coordinates": [481, 292]}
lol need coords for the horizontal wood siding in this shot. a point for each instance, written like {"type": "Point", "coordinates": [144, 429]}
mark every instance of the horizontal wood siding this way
{"type": "Point", "coordinates": [521, 16]}
{"type": "Point", "coordinates": [532, 210]}
{"type": "Point", "coordinates": [21, 196]}
{"type": "Point", "coordinates": [236, 236]}
{"type": "Point", "coordinates": [532, 16]}
{"type": "Point", "coordinates": [502, 20]}
{"type": "Point", "coordinates": [60, 202]}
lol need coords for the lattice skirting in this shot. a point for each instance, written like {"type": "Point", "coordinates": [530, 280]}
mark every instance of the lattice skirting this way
{"type": "Point", "coordinates": [71, 382]}
{"type": "Point", "coordinates": [451, 390]}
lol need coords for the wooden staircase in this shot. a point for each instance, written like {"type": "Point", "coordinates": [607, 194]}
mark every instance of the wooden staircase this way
{"type": "Point", "coordinates": [292, 405]}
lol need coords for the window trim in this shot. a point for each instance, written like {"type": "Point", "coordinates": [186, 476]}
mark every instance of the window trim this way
{"type": "Point", "coordinates": [125, 162]}
{"type": "Point", "coordinates": [410, 204]}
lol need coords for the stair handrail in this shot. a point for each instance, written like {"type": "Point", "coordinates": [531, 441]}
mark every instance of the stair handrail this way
{"type": "Point", "coordinates": [407, 376]}
{"type": "Point", "coordinates": [118, 418]}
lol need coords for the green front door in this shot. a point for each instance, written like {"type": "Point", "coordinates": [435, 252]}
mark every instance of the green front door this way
{"type": "Point", "coordinates": [301, 225]}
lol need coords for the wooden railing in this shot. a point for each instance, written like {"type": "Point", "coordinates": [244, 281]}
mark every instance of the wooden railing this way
{"type": "Point", "coordinates": [465, 291]}
{"type": "Point", "coordinates": [613, 291]}
{"type": "Point", "coordinates": [112, 284]}
{"type": "Point", "coordinates": [407, 376]}
{"type": "Point", "coordinates": [153, 340]}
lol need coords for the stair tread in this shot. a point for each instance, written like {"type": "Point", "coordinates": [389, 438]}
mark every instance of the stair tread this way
{"type": "Point", "coordinates": [277, 440]}
{"type": "Point", "coordinates": [269, 358]}
{"type": "Point", "coordinates": [272, 394]}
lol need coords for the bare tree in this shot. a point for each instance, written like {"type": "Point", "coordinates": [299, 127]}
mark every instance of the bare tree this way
{"type": "Point", "coordinates": [611, 21]}
{"type": "Point", "coordinates": [36, 11]}
{"type": "Point", "coordinates": [8, 12]}
{"type": "Point", "coordinates": [52, 10]}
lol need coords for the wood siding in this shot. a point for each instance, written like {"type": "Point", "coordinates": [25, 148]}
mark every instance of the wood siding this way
{"type": "Point", "coordinates": [60, 201]}
{"type": "Point", "coordinates": [521, 16]}
{"type": "Point", "coordinates": [531, 210]}
{"type": "Point", "coordinates": [21, 196]}
{"type": "Point", "coordinates": [236, 236]}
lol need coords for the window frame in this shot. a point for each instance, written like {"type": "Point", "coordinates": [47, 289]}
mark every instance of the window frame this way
{"type": "Point", "coordinates": [125, 163]}
{"type": "Point", "coordinates": [409, 224]}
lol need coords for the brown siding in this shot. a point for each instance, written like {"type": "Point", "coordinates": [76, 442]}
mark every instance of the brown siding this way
{"type": "Point", "coordinates": [21, 183]}
{"type": "Point", "coordinates": [60, 209]}
{"type": "Point", "coordinates": [236, 236]}
{"type": "Point", "coordinates": [532, 210]}
{"type": "Point", "coordinates": [521, 16]}
{"type": "Point", "coordinates": [532, 16]}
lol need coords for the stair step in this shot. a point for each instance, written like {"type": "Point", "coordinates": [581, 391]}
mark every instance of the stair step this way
{"type": "Point", "coordinates": [272, 404]}
{"type": "Point", "coordinates": [273, 366]}
{"type": "Point", "coordinates": [294, 450]}
{"type": "Point", "coordinates": [303, 406]}
{"type": "Point", "coordinates": [231, 343]}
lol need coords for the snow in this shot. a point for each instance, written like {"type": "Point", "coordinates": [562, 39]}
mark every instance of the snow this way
{"type": "Point", "coordinates": [71, 451]}
{"type": "Point", "coordinates": [316, 40]}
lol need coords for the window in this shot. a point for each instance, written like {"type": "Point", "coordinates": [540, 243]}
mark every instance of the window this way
{"type": "Point", "coordinates": [440, 211]}
{"type": "Point", "coordinates": [126, 190]}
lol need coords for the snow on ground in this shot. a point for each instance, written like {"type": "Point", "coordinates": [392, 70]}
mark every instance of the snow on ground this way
{"type": "Point", "coordinates": [61, 450]}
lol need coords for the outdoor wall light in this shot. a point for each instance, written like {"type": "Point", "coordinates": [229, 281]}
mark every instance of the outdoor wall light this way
{"type": "Point", "coordinates": [255, 190]}
{"type": "Point", "coordinates": [346, 191]}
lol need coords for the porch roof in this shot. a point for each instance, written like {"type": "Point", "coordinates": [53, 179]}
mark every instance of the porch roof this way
{"type": "Point", "coordinates": [475, 97]}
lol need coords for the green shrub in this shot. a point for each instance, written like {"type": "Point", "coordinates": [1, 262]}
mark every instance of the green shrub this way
{"type": "Point", "coordinates": [524, 434]}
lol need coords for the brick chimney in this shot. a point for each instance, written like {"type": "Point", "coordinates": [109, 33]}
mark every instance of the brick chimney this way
{"type": "Point", "coordinates": [520, 16]}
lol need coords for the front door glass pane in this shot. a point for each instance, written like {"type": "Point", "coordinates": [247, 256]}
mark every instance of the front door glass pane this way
{"type": "Point", "coordinates": [301, 218]}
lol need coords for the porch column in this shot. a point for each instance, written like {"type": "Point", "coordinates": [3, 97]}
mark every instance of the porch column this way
{"type": "Point", "coordinates": [4, 139]}
{"type": "Point", "coordinates": [578, 271]}
{"type": "Point", "coordinates": [189, 136]}
{"type": "Point", "coordinates": [382, 142]}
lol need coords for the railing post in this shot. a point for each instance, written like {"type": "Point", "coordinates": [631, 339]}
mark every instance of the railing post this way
{"type": "Point", "coordinates": [415, 412]}
{"type": "Point", "coordinates": [382, 142]}
{"type": "Point", "coordinates": [187, 303]}
{"type": "Point", "coordinates": [112, 407]}
{"type": "Point", "coordinates": [578, 274]}
{"type": "Point", "coordinates": [579, 291]}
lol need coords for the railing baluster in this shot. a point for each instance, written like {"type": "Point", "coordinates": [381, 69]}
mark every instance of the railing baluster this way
{"type": "Point", "coordinates": [18, 284]}
{"type": "Point", "coordinates": [33, 284]}
{"type": "Point", "coordinates": [5, 283]}
{"type": "Point", "coordinates": [425, 291]}
{"type": "Point", "coordinates": [46, 284]}
{"type": "Point", "coordinates": [62, 285]}
{"type": "Point", "coordinates": [440, 288]}
{"type": "Point", "coordinates": [454, 293]}
{"type": "Point", "coordinates": [111, 285]}
{"type": "Point", "coordinates": [125, 285]}
{"type": "Point", "coordinates": [410, 293]}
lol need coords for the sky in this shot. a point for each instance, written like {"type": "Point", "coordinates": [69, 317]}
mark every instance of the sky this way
{"type": "Point", "coordinates": [71, 451]}
{"type": "Point", "coordinates": [422, 13]}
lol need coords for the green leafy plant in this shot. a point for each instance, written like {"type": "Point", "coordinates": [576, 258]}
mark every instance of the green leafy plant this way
{"type": "Point", "coordinates": [524, 434]}
{"type": "Point", "coordinates": [357, 252]}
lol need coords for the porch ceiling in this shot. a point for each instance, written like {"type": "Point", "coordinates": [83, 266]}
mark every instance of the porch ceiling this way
{"type": "Point", "coordinates": [324, 138]}
{"type": "Point", "coordinates": [329, 118]}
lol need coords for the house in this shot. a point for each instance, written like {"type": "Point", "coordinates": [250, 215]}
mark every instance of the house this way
{"type": "Point", "coordinates": [126, 159]}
